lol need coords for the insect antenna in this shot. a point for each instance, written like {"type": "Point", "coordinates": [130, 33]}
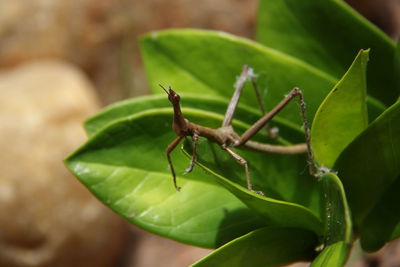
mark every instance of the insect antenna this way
{"type": "Point", "coordinates": [164, 89]}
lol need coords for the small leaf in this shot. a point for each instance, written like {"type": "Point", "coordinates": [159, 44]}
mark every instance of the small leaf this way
{"type": "Point", "coordinates": [336, 213]}
{"type": "Point", "coordinates": [318, 38]}
{"type": "Point", "coordinates": [342, 115]}
{"type": "Point", "coordinates": [334, 255]}
{"type": "Point", "coordinates": [371, 163]}
{"type": "Point", "coordinates": [264, 247]}
{"type": "Point", "coordinates": [176, 57]}
{"type": "Point", "coordinates": [337, 222]}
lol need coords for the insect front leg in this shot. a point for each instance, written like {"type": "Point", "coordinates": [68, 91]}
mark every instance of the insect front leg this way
{"type": "Point", "coordinates": [169, 149]}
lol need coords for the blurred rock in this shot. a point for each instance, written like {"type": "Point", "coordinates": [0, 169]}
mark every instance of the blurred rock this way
{"type": "Point", "coordinates": [47, 218]}
{"type": "Point", "coordinates": [388, 256]}
{"type": "Point", "coordinates": [154, 251]}
{"type": "Point", "coordinates": [100, 36]}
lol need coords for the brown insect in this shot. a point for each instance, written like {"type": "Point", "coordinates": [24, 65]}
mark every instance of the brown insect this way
{"type": "Point", "coordinates": [227, 138]}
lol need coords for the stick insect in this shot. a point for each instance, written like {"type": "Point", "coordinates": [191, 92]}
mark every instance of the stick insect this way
{"type": "Point", "coordinates": [227, 138]}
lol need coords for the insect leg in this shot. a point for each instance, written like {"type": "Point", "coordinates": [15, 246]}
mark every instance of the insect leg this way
{"type": "Point", "coordinates": [267, 117]}
{"type": "Point", "coordinates": [242, 162]}
{"type": "Point", "coordinates": [169, 149]}
{"type": "Point", "coordinates": [195, 138]}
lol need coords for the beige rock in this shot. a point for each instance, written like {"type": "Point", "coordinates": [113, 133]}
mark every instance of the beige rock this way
{"type": "Point", "coordinates": [154, 251]}
{"type": "Point", "coordinates": [47, 218]}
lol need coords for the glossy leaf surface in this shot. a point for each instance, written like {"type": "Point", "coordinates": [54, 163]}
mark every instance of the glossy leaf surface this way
{"type": "Point", "coordinates": [176, 57]}
{"type": "Point", "coordinates": [129, 173]}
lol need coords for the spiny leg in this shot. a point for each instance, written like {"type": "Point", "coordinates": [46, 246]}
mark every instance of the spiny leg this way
{"type": "Point", "coordinates": [312, 165]}
{"type": "Point", "coordinates": [242, 162]}
{"type": "Point", "coordinates": [169, 149]}
{"type": "Point", "coordinates": [195, 139]}
{"type": "Point", "coordinates": [267, 117]}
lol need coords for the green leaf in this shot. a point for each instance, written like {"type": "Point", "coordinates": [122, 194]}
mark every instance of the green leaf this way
{"type": "Point", "coordinates": [371, 163]}
{"type": "Point", "coordinates": [215, 104]}
{"type": "Point", "coordinates": [124, 165]}
{"type": "Point", "coordinates": [336, 213]}
{"type": "Point", "coordinates": [176, 57]}
{"type": "Point", "coordinates": [275, 212]}
{"type": "Point", "coordinates": [334, 255]}
{"type": "Point", "coordinates": [313, 31]}
{"type": "Point", "coordinates": [337, 222]}
{"type": "Point", "coordinates": [379, 226]}
{"type": "Point", "coordinates": [342, 115]}
{"type": "Point", "coordinates": [264, 247]}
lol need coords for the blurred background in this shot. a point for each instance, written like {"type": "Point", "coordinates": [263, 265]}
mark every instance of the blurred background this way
{"type": "Point", "coordinates": [62, 61]}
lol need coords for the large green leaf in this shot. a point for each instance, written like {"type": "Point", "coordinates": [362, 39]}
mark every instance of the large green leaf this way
{"type": "Point", "coordinates": [327, 34]}
{"type": "Point", "coordinates": [342, 115]}
{"type": "Point", "coordinates": [264, 247]}
{"type": "Point", "coordinates": [128, 173]}
{"type": "Point", "coordinates": [371, 163]}
{"type": "Point", "coordinates": [124, 165]}
{"type": "Point", "coordinates": [177, 58]}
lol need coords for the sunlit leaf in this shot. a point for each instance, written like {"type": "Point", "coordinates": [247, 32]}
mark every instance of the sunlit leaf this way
{"type": "Point", "coordinates": [177, 58]}
{"type": "Point", "coordinates": [342, 115]}
{"type": "Point", "coordinates": [124, 165]}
